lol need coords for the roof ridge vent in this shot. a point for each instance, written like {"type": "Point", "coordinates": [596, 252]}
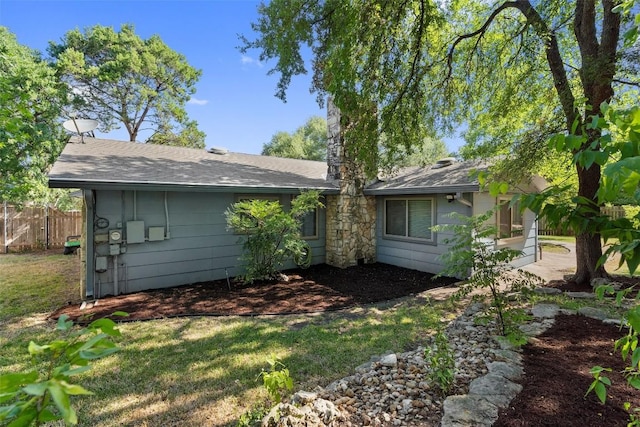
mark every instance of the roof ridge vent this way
{"type": "Point", "coordinates": [218, 150]}
{"type": "Point", "coordinates": [443, 163]}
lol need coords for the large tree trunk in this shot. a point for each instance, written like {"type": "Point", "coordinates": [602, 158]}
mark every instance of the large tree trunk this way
{"type": "Point", "coordinates": [596, 75]}
{"type": "Point", "coordinates": [588, 243]}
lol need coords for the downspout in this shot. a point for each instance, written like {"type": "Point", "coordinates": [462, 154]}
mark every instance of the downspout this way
{"type": "Point", "coordinates": [115, 275]}
{"type": "Point", "coordinates": [89, 247]}
{"type": "Point", "coordinates": [166, 214]}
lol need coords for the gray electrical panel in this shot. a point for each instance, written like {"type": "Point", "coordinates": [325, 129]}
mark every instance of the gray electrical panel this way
{"type": "Point", "coordinates": [101, 264]}
{"type": "Point", "coordinates": [156, 234]}
{"type": "Point", "coordinates": [135, 231]}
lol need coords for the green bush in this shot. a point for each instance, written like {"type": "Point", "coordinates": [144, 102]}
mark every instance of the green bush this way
{"type": "Point", "coordinates": [473, 254]}
{"type": "Point", "coordinates": [271, 234]}
{"type": "Point", "coordinates": [441, 363]}
{"type": "Point", "coordinates": [276, 379]}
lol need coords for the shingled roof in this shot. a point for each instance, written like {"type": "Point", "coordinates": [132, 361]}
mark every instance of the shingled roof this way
{"type": "Point", "coordinates": [105, 163]}
{"type": "Point", "coordinates": [445, 177]}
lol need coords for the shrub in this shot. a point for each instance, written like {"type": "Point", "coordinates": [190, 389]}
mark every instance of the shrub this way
{"type": "Point", "coordinates": [441, 363]}
{"type": "Point", "coordinates": [271, 234]}
{"type": "Point", "coordinates": [473, 254]}
{"type": "Point", "coordinates": [276, 379]}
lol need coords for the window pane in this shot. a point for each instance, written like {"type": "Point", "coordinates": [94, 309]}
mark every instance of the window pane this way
{"type": "Point", "coordinates": [504, 225]}
{"type": "Point", "coordinates": [308, 227]}
{"type": "Point", "coordinates": [396, 216]}
{"type": "Point", "coordinates": [517, 224]}
{"type": "Point", "coordinates": [420, 220]}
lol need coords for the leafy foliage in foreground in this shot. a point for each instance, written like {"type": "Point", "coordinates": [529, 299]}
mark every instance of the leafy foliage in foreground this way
{"type": "Point", "coordinates": [44, 393]}
{"type": "Point", "coordinates": [276, 380]}
{"type": "Point", "coordinates": [473, 253]}
{"type": "Point", "coordinates": [629, 350]}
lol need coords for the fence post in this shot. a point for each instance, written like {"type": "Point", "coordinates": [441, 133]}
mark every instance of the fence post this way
{"type": "Point", "coordinates": [46, 226]}
{"type": "Point", "coordinates": [6, 245]}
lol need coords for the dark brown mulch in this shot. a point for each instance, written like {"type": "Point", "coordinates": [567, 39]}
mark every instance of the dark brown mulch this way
{"type": "Point", "coordinates": [318, 288]}
{"type": "Point", "coordinates": [556, 364]}
{"type": "Point", "coordinates": [557, 376]}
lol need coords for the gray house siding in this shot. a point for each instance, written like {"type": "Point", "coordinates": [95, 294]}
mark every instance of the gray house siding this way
{"type": "Point", "coordinates": [198, 248]}
{"type": "Point", "coordinates": [423, 256]}
{"type": "Point", "coordinates": [426, 256]}
{"type": "Point", "coordinates": [528, 244]}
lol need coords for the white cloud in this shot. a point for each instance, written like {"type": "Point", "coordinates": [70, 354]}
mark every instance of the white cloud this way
{"type": "Point", "coordinates": [247, 60]}
{"type": "Point", "coordinates": [197, 101]}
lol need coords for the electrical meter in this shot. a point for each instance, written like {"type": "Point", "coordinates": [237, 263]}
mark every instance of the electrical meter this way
{"type": "Point", "coordinates": [115, 236]}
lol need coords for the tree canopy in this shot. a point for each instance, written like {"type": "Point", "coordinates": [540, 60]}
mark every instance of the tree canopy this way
{"type": "Point", "coordinates": [118, 79]}
{"type": "Point", "coordinates": [31, 136]}
{"type": "Point", "coordinates": [516, 72]}
{"type": "Point", "coordinates": [308, 142]}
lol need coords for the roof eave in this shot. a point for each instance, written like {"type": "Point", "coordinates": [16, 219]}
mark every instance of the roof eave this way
{"type": "Point", "coordinates": [194, 187]}
{"type": "Point", "coordinates": [423, 190]}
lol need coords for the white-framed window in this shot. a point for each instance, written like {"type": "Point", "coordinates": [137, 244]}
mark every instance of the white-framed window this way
{"type": "Point", "coordinates": [510, 220]}
{"type": "Point", "coordinates": [410, 218]}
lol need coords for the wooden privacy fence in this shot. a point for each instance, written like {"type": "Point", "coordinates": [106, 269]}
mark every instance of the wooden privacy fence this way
{"type": "Point", "coordinates": [37, 227]}
{"type": "Point", "coordinates": [614, 212]}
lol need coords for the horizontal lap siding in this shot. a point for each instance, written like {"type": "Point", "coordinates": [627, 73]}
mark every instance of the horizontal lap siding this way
{"type": "Point", "coordinates": [528, 245]}
{"type": "Point", "coordinates": [200, 247]}
{"type": "Point", "coordinates": [417, 255]}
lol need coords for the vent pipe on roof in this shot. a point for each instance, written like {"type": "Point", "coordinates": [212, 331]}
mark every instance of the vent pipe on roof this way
{"type": "Point", "coordinates": [443, 163]}
{"type": "Point", "coordinates": [218, 150]}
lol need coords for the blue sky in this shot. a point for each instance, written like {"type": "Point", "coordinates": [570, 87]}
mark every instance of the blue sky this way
{"type": "Point", "coordinates": [234, 103]}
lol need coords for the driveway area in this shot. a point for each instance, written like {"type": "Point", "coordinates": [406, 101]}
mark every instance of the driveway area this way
{"type": "Point", "coordinates": [558, 259]}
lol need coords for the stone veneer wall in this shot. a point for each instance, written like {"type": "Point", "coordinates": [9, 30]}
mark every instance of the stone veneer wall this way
{"type": "Point", "coordinates": [351, 216]}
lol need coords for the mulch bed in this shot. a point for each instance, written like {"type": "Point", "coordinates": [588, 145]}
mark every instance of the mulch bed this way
{"type": "Point", "coordinates": [556, 363]}
{"type": "Point", "coordinates": [318, 288]}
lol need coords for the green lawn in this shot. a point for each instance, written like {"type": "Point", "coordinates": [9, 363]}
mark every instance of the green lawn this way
{"type": "Point", "coordinates": [38, 282]}
{"type": "Point", "coordinates": [568, 239]}
{"type": "Point", "coordinates": [198, 371]}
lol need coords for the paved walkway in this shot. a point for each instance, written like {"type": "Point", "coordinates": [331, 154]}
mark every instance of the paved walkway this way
{"type": "Point", "coordinates": [554, 263]}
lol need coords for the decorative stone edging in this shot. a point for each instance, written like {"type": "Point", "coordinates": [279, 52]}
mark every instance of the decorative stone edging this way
{"type": "Point", "coordinates": [392, 389]}
{"type": "Point", "coordinates": [495, 390]}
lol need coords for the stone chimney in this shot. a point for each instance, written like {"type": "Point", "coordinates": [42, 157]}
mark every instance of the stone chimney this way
{"type": "Point", "coordinates": [351, 216]}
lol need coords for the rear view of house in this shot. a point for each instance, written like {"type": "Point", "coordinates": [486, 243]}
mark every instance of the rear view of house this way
{"type": "Point", "coordinates": [154, 216]}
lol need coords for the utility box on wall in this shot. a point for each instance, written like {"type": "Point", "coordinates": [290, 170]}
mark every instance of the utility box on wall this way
{"type": "Point", "coordinates": [156, 234]}
{"type": "Point", "coordinates": [135, 231]}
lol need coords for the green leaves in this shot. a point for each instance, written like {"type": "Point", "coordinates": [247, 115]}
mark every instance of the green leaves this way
{"type": "Point", "coordinates": [440, 358]}
{"type": "Point", "coordinates": [276, 379]}
{"type": "Point", "coordinates": [307, 142]}
{"type": "Point", "coordinates": [272, 235]}
{"type": "Point", "coordinates": [145, 79]}
{"type": "Point", "coordinates": [44, 394]}
{"type": "Point", "coordinates": [31, 136]}
{"type": "Point", "coordinates": [599, 383]}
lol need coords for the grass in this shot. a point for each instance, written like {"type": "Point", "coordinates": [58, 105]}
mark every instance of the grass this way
{"type": "Point", "coordinates": [568, 239]}
{"type": "Point", "coordinates": [38, 282]}
{"type": "Point", "coordinates": [201, 370]}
